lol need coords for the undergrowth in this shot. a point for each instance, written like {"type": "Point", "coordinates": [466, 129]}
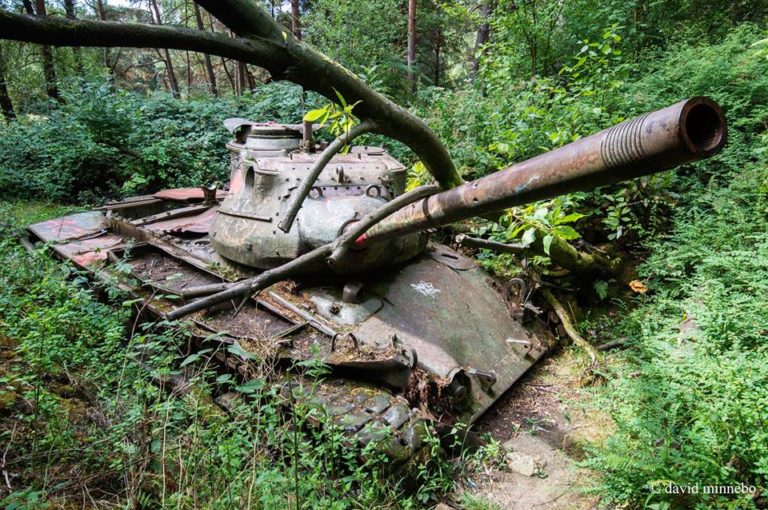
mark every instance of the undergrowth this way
{"type": "Point", "coordinates": [690, 399]}
{"type": "Point", "coordinates": [82, 424]}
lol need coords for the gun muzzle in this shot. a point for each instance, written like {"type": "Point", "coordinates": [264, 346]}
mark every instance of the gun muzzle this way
{"type": "Point", "coordinates": [687, 131]}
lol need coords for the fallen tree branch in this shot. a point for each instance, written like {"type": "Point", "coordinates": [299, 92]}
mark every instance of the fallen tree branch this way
{"type": "Point", "coordinates": [561, 252]}
{"type": "Point", "coordinates": [65, 32]}
{"type": "Point", "coordinates": [263, 42]}
{"type": "Point", "coordinates": [301, 193]}
{"type": "Point", "coordinates": [308, 67]}
{"type": "Point", "coordinates": [565, 255]}
{"type": "Point", "coordinates": [329, 253]}
{"type": "Point", "coordinates": [485, 244]}
{"type": "Point", "coordinates": [612, 344]}
{"type": "Point", "coordinates": [357, 230]}
{"type": "Point", "coordinates": [251, 285]}
{"type": "Point", "coordinates": [570, 329]}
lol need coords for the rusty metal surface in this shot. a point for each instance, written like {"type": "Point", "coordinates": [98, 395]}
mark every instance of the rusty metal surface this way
{"type": "Point", "coordinates": [351, 185]}
{"type": "Point", "coordinates": [687, 131]}
{"type": "Point", "coordinates": [186, 195]}
{"type": "Point", "coordinates": [456, 322]}
{"type": "Point", "coordinates": [171, 215]}
{"type": "Point", "coordinates": [192, 224]}
{"type": "Point", "coordinates": [89, 252]}
{"type": "Point", "coordinates": [68, 227]}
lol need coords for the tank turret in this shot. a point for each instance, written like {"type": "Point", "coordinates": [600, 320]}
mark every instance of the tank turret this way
{"type": "Point", "coordinates": [268, 164]}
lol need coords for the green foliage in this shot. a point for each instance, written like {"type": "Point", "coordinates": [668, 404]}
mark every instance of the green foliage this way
{"type": "Point", "coordinates": [108, 142]}
{"type": "Point", "coordinates": [364, 36]}
{"type": "Point", "coordinates": [694, 388]}
{"type": "Point", "coordinates": [339, 116]}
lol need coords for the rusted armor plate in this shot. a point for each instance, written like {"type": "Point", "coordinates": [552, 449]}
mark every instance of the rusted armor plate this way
{"type": "Point", "coordinates": [74, 226]}
{"type": "Point", "coordinates": [197, 224]}
{"type": "Point", "coordinates": [186, 195]}
{"type": "Point", "coordinates": [456, 322]}
{"type": "Point", "coordinates": [81, 237]}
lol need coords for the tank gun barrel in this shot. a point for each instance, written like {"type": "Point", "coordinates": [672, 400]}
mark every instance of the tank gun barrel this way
{"type": "Point", "coordinates": [687, 131]}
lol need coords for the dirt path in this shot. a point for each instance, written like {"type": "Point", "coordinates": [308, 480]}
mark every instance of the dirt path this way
{"type": "Point", "coordinates": [542, 421]}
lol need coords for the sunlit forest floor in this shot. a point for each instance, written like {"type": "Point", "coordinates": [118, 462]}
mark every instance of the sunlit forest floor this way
{"type": "Point", "coordinates": [546, 417]}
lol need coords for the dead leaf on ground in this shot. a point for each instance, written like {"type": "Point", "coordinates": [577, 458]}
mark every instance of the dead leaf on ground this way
{"type": "Point", "coordinates": [638, 286]}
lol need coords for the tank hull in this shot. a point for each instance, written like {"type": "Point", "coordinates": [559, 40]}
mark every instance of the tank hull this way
{"type": "Point", "coordinates": [437, 322]}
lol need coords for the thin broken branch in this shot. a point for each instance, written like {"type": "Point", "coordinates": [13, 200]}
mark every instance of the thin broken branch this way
{"type": "Point", "coordinates": [358, 230]}
{"type": "Point", "coordinates": [485, 244]}
{"type": "Point", "coordinates": [570, 329]}
{"type": "Point", "coordinates": [306, 185]}
{"type": "Point", "coordinates": [255, 284]}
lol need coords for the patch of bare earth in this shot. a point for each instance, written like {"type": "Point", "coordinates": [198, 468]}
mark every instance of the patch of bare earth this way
{"type": "Point", "coordinates": [543, 424]}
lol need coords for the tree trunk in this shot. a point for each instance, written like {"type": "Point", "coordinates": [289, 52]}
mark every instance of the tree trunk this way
{"type": "Point", "coordinates": [69, 8]}
{"type": "Point", "coordinates": [49, 71]}
{"type": "Point", "coordinates": [482, 38]}
{"type": "Point", "coordinates": [295, 19]}
{"type": "Point", "coordinates": [230, 78]}
{"type": "Point", "coordinates": [249, 78]}
{"type": "Point", "coordinates": [173, 83]}
{"type": "Point", "coordinates": [206, 57]}
{"type": "Point", "coordinates": [411, 58]}
{"type": "Point", "coordinates": [438, 46]}
{"type": "Point", "coordinates": [5, 99]}
{"type": "Point", "coordinates": [100, 10]}
{"type": "Point", "coordinates": [102, 15]}
{"type": "Point", "coordinates": [240, 78]}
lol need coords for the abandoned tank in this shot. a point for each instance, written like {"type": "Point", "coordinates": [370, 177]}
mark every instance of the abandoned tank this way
{"type": "Point", "coordinates": [308, 253]}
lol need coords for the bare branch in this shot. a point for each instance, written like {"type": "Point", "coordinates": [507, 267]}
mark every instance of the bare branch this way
{"type": "Point", "coordinates": [64, 32]}
{"type": "Point", "coordinates": [309, 180]}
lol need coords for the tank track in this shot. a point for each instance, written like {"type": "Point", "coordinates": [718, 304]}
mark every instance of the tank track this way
{"type": "Point", "coordinates": [365, 413]}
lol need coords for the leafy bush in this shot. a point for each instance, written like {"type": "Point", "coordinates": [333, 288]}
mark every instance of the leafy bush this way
{"type": "Point", "coordinates": [107, 142]}
{"type": "Point", "coordinates": [694, 389]}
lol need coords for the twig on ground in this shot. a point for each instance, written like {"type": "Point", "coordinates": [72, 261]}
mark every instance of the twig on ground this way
{"type": "Point", "coordinates": [5, 455]}
{"type": "Point", "coordinates": [570, 329]}
{"type": "Point", "coordinates": [612, 344]}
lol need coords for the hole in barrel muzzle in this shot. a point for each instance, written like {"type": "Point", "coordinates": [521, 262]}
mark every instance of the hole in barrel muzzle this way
{"type": "Point", "coordinates": [704, 127]}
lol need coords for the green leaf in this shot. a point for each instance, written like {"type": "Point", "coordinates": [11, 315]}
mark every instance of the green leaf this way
{"type": "Point", "coordinates": [315, 115]}
{"type": "Point", "coordinates": [566, 232]}
{"type": "Point", "coordinates": [341, 98]}
{"type": "Point", "coordinates": [251, 386]}
{"type": "Point", "coordinates": [238, 351]}
{"type": "Point", "coordinates": [529, 236]}
{"type": "Point", "coordinates": [547, 241]}
{"type": "Point", "coordinates": [194, 357]}
{"type": "Point", "coordinates": [223, 378]}
{"type": "Point", "coordinates": [601, 288]}
{"type": "Point", "coordinates": [570, 218]}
